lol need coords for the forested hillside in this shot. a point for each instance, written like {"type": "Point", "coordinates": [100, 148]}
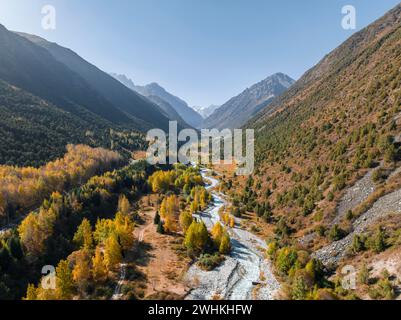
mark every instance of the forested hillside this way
{"type": "Point", "coordinates": [33, 69]}
{"type": "Point", "coordinates": [51, 97]}
{"type": "Point", "coordinates": [340, 121]}
{"type": "Point", "coordinates": [338, 125]}
{"type": "Point", "coordinates": [50, 235]}
{"type": "Point", "coordinates": [25, 188]}
{"type": "Point", "coordinates": [89, 232]}
{"type": "Point", "coordinates": [34, 131]}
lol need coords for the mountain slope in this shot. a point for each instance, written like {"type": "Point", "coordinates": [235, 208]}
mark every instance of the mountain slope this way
{"type": "Point", "coordinates": [44, 106]}
{"type": "Point", "coordinates": [32, 68]}
{"type": "Point", "coordinates": [33, 130]}
{"type": "Point", "coordinates": [189, 115]}
{"type": "Point", "coordinates": [341, 120]}
{"type": "Point", "coordinates": [169, 111]}
{"type": "Point", "coordinates": [135, 106]}
{"type": "Point", "coordinates": [238, 110]}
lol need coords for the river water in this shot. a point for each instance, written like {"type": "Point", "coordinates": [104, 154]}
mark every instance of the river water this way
{"type": "Point", "coordinates": [245, 274]}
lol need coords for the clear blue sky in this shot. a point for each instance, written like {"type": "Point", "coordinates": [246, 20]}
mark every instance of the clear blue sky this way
{"type": "Point", "coordinates": [205, 51]}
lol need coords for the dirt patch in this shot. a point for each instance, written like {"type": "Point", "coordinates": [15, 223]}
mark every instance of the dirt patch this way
{"type": "Point", "coordinates": [159, 261]}
{"type": "Point", "coordinates": [139, 155]}
{"type": "Point", "coordinates": [390, 261]}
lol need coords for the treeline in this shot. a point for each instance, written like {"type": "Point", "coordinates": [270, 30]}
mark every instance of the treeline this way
{"type": "Point", "coordinates": [180, 179]}
{"type": "Point", "coordinates": [26, 187]}
{"type": "Point", "coordinates": [79, 226]}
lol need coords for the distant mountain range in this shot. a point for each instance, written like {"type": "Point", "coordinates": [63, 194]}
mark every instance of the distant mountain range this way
{"type": "Point", "coordinates": [189, 115]}
{"type": "Point", "coordinates": [238, 110]}
{"type": "Point", "coordinates": [206, 111]}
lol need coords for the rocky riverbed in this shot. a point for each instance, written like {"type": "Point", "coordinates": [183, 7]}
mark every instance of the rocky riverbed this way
{"type": "Point", "coordinates": [244, 275]}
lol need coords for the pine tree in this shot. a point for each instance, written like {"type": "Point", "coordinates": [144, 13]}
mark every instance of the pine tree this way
{"type": "Point", "coordinates": [363, 275]}
{"type": "Point", "coordinates": [379, 241]}
{"type": "Point", "coordinates": [299, 289]}
{"type": "Point", "coordinates": [4, 291]}
{"type": "Point", "coordinates": [160, 227]}
{"type": "Point", "coordinates": [14, 246]}
{"type": "Point", "coordinates": [156, 219]}
{"type": "Point", "coordinates": [357, 244]}
{"type": "Point", "coordinates": [83, 237]}
{"type": "Point", "coordinates": [5, 259]}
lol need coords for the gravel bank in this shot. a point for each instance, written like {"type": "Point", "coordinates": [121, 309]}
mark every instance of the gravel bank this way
{"type": "Point", "coordinates": [236, 278]}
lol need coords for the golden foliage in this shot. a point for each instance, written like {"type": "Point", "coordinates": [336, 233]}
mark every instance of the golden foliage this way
{"type": "Point", "coordinates": [27, 187]}
{"type": "Point", "coordinates": [169, 211]}
{"type": "Point", "coordinates": [112, 252]}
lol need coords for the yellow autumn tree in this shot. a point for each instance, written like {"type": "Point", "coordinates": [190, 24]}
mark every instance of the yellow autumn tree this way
{"type": "Point", "coordinates": [194, 206]}
{"type": "Point", "coordinates": [225, 244]}
{"type": "Point", "coordinates": [112, 252]}
{"type": "Point", "coordinates": [169, 210]}
{"type": "Point", "coordinates": [46, 294]}
{"type": "Point", "coordinates": [3, 205]}
{"type": "Point", "coordinates": [64, 281]}
{"type": "Point", "coordinates": [217, 233]}
{"type": "Point", "coordinates": [196, 237]}
{"type": "Point", "coordinates": [99, 271]}
{"type": "Point", "coordinates": [31, 235]}
{"type": "Point", "coordinates": [185, 220]}
{"type": "Point", "coordinates": [124, 228]}
{"type": "Point", "coordinates": [81, 273]}
{"type": "Point", "coordinates": [31, 293]}
{"type": "Point", "coordinates": [232, 222]}
{"type": "Point", "coordinates": [123, 205]}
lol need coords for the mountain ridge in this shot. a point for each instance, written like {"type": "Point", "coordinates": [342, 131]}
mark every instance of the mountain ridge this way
{"type": "Point", "coordinates": [145, 113]}
{"type": "Point", "coordinates": [239, 109]}
{"type": "Point", "coordinates": [189, 115]}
